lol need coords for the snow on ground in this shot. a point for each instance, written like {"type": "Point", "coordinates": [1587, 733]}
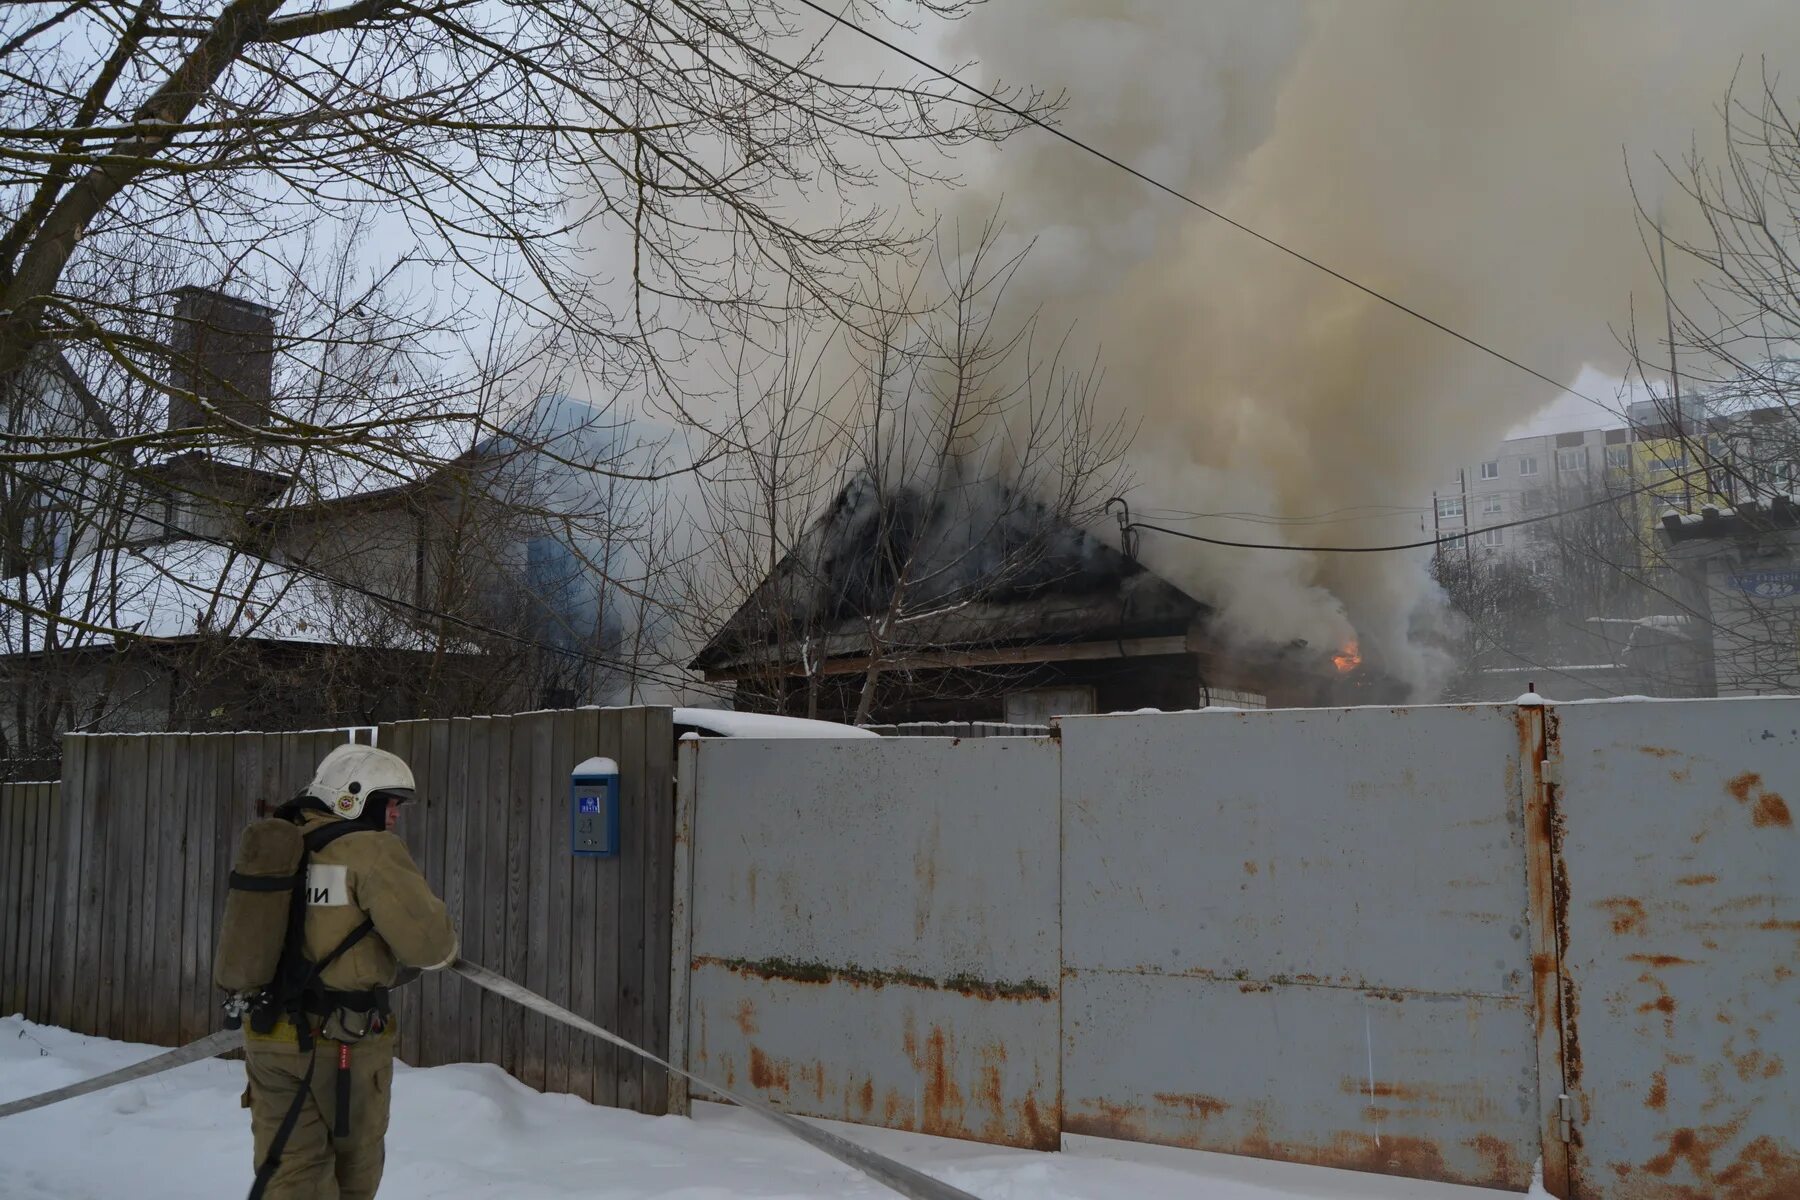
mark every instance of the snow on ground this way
{"type": "Point", "coordinates": [474, 1131]}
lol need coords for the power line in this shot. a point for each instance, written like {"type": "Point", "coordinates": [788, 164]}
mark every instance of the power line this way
{"type": "Point", "coordinates": [1205, 208]}
{"type": "Point", "coordinates": [1419, 545]}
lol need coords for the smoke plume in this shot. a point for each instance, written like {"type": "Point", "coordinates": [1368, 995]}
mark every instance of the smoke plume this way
{"type": "Point", "coordinates": [1467, 159]}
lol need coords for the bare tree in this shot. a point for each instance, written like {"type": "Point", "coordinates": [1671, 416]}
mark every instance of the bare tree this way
{"type": "Point", "coordinates": [492, 145]}
{"type": "Point", "coordinates": [896, 510]}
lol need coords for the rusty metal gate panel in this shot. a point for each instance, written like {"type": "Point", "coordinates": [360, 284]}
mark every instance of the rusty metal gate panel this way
{"type": "Point", "coordinates": [874, 930]}
{"type": "Point", "coordinates": [1302, 934]}
{"type": "Point", "coordinates": [1679, 865]}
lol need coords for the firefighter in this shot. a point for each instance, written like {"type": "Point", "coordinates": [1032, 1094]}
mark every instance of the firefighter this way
{"type": "Point", "coordinates": [319, 1035]}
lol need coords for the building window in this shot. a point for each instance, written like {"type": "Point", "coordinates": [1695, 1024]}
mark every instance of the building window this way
{"type": "Point", "coordinates": [1490, 470]}
{"type": "Point", "coordinates": [1492, 537]}
{"type": "Point", "coordinates": [1572, 459]}
{"type": "Point", "coordinates": [1618, 458]}
{"type": "Point", "coordinates": [1490, 506]}
{"type": "Point", "coordinates": [1447, 509]}
{"type": "Point", "coordinates": [1528, 465]}
{"type": "Point", "coordinates": [1676, 463]}
{"type": "Point", "coordinates": [1454, 543]}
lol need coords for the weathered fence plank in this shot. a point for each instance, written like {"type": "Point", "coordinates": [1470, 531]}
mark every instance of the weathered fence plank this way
{"type": "Point", "coordinates": [610, 874]}
{"type": "Point", "coordinates": [632, 803]}
{"type": "Point", "coordinates": [557, 762]}
{"type": "Point", "coordinates": [658, 859]}
{"type": "Point", "coordinates": [535, 782]}
{"type": "Point", "coordinates": [85, 985]}
{"type": "Point", "coordinates": [12, 879]}
{"type": "Point", "coordinates": [68, 903]}
{"type": "Point", "coordinates": [49, 885]}
{"type": "Point", "coordinates": [493, 881]}
{"type": "Point", "coordinates": [584, 734]}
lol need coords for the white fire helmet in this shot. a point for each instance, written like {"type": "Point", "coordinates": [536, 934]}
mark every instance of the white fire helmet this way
{"type": "Point", "coordinates": [350, 774]}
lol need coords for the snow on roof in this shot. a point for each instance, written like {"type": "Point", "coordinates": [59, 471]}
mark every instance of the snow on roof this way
{"type": "Point", "coordinates": [764, 725]}
{"type": "Point", "coordinates": [187, 587]}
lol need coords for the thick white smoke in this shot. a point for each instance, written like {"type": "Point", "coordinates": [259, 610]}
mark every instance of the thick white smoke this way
{"type": "Point", "coordinates": [1468, 159]}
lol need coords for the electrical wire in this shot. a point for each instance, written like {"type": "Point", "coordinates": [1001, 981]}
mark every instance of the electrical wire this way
{"type": "Point", "coordinates": [1158, 184]}
{"type": "Point", "coordinates": [1425, 543]}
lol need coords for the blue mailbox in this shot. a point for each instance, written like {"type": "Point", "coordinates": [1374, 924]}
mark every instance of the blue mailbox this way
{"type": "Point", "coordinates": [594, 809]}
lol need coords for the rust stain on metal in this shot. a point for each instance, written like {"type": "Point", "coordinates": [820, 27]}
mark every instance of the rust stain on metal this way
{"type": "Point", "coordinates": [991, 1093]}
{"type": "Point", "coordinates": [1249, 867]}
{"type": "Point", "coordinates": [766, 1073]}
{"type": "Point", "coordinates": [1697, 880]}
{"type": "Point", "coordinates": [1773, 924]}
{"type": "Point", "coordinates": [1659, 1091]}
{"type": "Point", "coordinates": [1353, 1150]}
{"type": "Point", "coordinates": [940, 1097]}
{"type": "Point", "coordinates": [1764, 1169]}
{"type": "Point", "coordinates": [1193, 1103]}
{"type": "Point", "coordinates": [1688, 1145]}
{"type": "Point", "coordinates": [1771, 810]}
{"type": "Point", "coordinates": [1099, 1118]}
{"type": "Point", "coordinates": [1555, 1005]}
{"type": "Point", "coordinates": [1768, 809]}
{"type": "Point", "coordinates": [793, 971]}
{"type": "Point", "coordinates": [866, 1098]}
{"type": "Point", "coordinates": [745, 1018]}
{"type": "Point", "coordinates": [1664, 1004]}
{"type": "Point", "coordinates": [1757, 1065]}
{"type": "Point", "coordinates": [1045, 1134]}
{"type": "Point", "coordinates": [1661, 960]}
{"type": "Point", "coordinates": [1627, 914]}
{"type": "Point", "coordinates": [1658, 751]}
{"type": "Point", "coordinates": [1388, 1089]}
{"type": "Point", "coordinates": [1496, 1153]}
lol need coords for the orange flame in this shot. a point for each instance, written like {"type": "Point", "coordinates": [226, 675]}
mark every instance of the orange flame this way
{"type": "Point", "coordinates": [1348, 658]}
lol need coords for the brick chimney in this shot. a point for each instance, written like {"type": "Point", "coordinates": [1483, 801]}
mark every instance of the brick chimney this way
{"type": "Point", "coordinates": [223, 350]}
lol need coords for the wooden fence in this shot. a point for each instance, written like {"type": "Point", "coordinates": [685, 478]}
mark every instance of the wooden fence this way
{"type": "Point", "coordinates": [29, 826]}
{"type": "Point", "coordinates": [115, 880]}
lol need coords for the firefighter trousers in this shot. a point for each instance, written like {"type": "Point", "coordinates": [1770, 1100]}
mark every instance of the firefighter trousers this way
{"type": "Point", "coordinates": [316, 1165]}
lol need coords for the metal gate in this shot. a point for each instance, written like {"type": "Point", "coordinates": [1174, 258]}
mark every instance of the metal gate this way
{"type": "Point", "coordinates": [874, 929]}
{"type": "Point", "coordinates": [1292, 934]}
{"type": "Point", "coordinates": [1678, 878]}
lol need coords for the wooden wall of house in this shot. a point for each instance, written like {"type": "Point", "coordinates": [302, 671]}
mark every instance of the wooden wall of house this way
{"type": "Point", "coordinates": [1170, 682]}
{"type": "Point", "coordinates": [124, 864]}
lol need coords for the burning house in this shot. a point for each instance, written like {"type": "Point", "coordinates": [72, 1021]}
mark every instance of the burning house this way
{"type": "Point", "coordinates": [979, 604]}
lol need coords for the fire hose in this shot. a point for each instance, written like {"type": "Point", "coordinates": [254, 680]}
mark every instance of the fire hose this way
{"type": "Point", "coordinates": [897, 1176]}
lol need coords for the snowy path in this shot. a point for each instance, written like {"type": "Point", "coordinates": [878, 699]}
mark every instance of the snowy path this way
{"type": "Point", "coordinates": [473, 1131]}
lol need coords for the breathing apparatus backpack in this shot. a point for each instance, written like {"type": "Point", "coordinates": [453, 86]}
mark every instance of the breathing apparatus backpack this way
{"type": "Point", "coordinates": [261, 959]}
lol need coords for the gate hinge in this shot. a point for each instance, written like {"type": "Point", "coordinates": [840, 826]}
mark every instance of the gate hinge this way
{"type": "Point", "coordinates": [1565, 1116]}
{"type": "Point", "coordinates": [1550, 771]}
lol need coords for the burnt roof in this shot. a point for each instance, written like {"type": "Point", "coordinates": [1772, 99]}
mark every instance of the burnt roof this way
{"type": "Point", "coordinates": [983, 565]}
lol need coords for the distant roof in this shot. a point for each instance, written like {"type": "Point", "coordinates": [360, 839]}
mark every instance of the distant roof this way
{"type": "Point", "coordinates": [185, 588]}
{"type": "Point", "coordinates": [1759, 515]}
{"type": "Point", "coordinates": [986, 567]}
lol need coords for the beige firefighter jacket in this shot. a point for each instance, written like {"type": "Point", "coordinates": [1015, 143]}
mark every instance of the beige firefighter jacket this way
{"type": "Point", "coordinates": [369, 874]}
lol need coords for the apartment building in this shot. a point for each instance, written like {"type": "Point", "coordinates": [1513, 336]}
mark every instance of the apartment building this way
{"type": "Point", "coordinates": [1526, 477]}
